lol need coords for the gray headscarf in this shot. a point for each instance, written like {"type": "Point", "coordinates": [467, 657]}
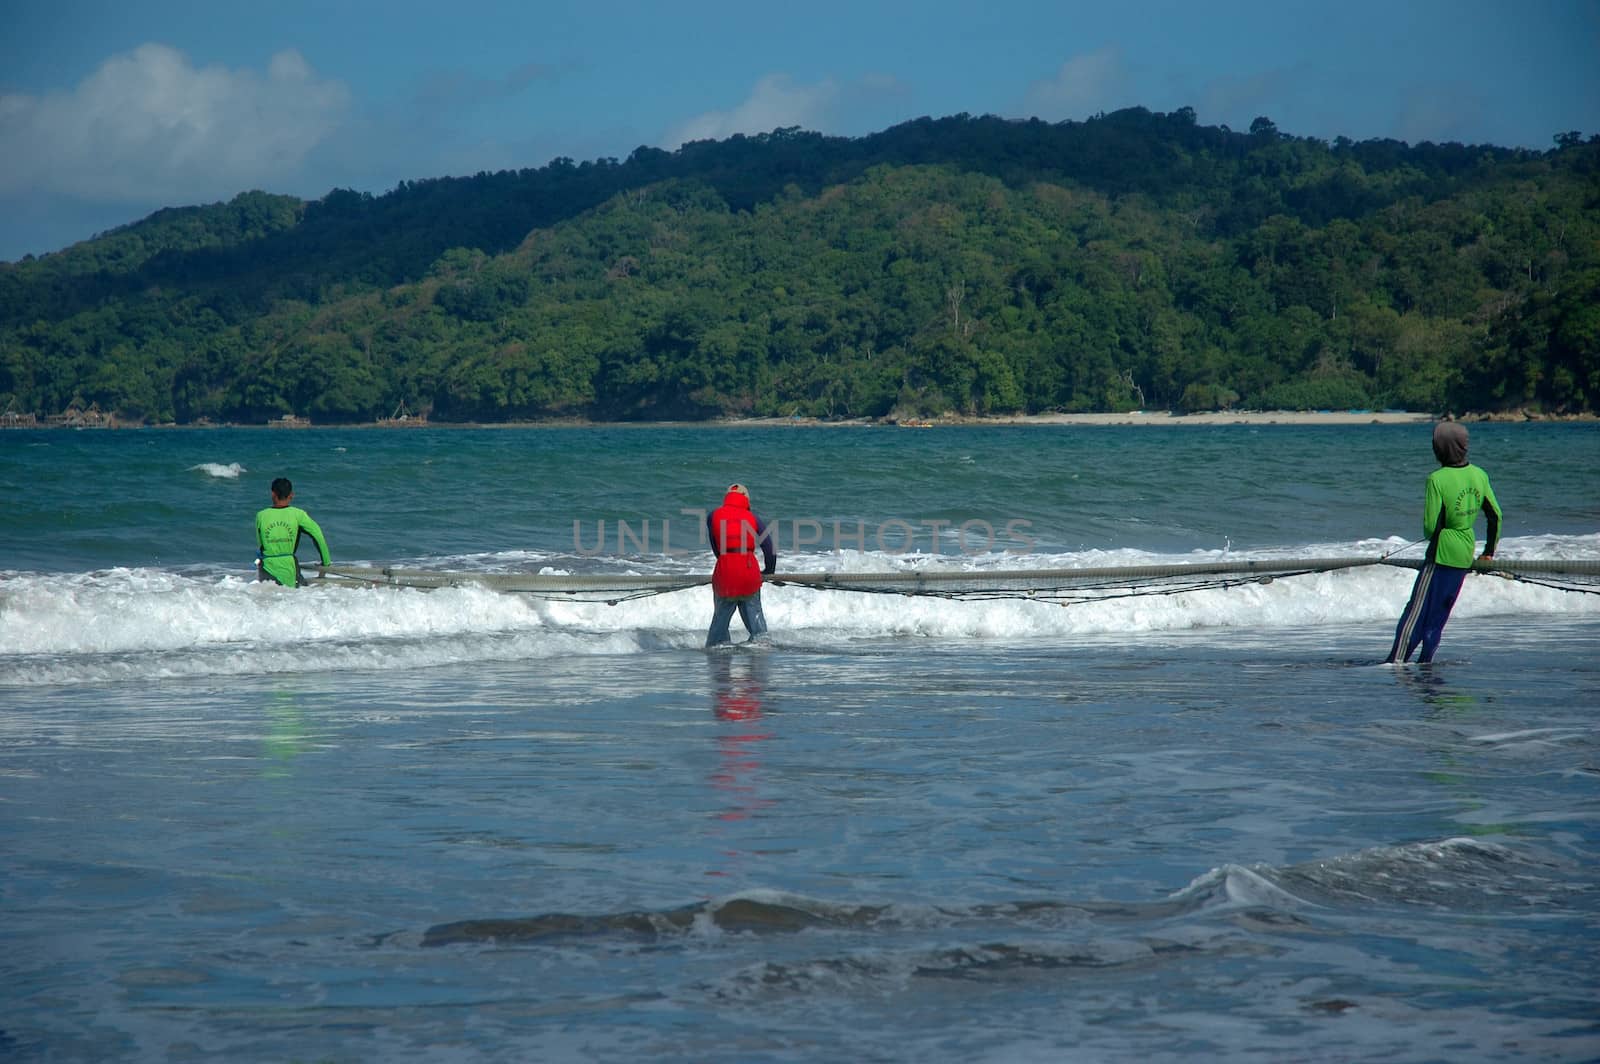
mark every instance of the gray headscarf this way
{"type": "Point", "coordinates": [1450, 443]}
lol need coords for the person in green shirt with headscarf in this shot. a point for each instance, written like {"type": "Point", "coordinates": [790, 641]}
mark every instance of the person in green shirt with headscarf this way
{"type": "Point", "coordinates": [278, 530]}
{"type": "Point", "coordinates": [1457, 492]}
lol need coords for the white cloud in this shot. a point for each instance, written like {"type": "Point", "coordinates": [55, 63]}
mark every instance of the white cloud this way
{"type": "Point", "coordinates": [1085, 85]}
{"type": "Point", "coordinates": [148, 126]}
{"type": "Point", "coordinates": [774, 102]}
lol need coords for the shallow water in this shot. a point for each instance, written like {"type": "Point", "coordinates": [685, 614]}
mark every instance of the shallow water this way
{"type": "Point", "coordinates": [349, 824]}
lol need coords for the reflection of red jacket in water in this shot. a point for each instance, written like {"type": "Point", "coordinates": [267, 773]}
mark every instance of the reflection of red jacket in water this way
{"type": "Point", "coordinates": [736, 533]}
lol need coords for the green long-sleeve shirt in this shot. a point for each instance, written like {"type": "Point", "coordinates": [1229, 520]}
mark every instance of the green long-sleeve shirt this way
{"type": "Point", "coordinates": [1455, 496]}
{"type": "Point", "coordinates": [278, 530]}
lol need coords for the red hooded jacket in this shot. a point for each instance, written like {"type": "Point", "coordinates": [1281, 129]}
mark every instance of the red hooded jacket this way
{"type": "Point", "coordinates": [736, 534]}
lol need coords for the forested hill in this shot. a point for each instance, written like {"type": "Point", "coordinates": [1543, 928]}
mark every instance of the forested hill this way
{"type": "Point", "coordinates": [975, 265]}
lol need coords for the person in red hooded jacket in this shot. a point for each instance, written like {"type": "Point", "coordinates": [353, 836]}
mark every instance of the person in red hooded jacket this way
{"type": "Point", "coordinates": [736, 533]}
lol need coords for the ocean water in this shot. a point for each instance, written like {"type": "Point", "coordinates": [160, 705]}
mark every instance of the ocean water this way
{"type": "Point", "coordinates": [343, 823]}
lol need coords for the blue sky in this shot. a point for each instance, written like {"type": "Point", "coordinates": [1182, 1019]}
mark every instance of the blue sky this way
{"type": "Point", "coordinates": [110, 110]}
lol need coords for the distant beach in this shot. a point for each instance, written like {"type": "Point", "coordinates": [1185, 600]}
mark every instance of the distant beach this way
{"type": "Point", "coordinates": [1131, 417]}
{"type": "Point", "coordinates": [1169, 417]}
{"type": "Point", "coordinates": [1228, 417]}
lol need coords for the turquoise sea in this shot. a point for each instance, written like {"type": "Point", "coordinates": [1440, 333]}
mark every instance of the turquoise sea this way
{"type": "Point", "coordinates": [348, 823]}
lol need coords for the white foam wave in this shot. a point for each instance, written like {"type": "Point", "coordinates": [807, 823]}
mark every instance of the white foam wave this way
{"type": "Point", "coordinates": [251, 660]}
{"type": "Point", "coordinates": [117, 623]}
{"type": "Point", "coordinates": [230, 471]}
{"type": "Point", "coordinates": [123, 610]}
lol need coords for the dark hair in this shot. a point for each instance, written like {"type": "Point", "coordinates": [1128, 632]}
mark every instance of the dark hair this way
{"type": "Point", "coordinates": [281, 488]}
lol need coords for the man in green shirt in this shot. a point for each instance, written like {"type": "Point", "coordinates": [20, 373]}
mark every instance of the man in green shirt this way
{"type": "Point", "coordinates": [1456, 493]}
{"type": "Point", "coordinates": [278, 530]}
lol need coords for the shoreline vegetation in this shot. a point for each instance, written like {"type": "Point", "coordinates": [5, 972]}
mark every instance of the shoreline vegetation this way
{"type": "Point", "coordinates": [994, 269]}
{"type": "Point", "coordinates": [1131, 418]}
